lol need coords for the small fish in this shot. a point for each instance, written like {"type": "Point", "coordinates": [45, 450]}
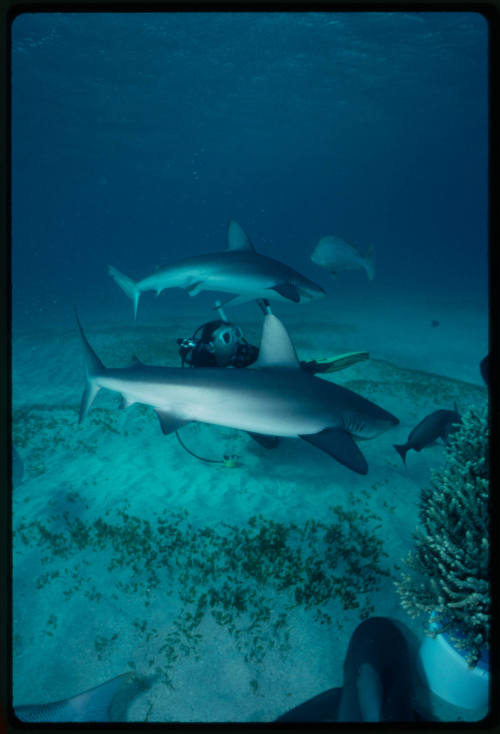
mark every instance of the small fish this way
{"type": "Point", "coordinates": [439, 424]}
{"type": "Point", "coordinates": [434, 323]}
{"type": "Point", "coordinates": [335, 254]}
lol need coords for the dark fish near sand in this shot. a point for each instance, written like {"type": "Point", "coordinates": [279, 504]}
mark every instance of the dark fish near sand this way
{"type": "Point", "coordinates": [440, 424]}
{"type": "Point", "coordinates": [378, 680]}
{"type": "Point", "coordinates": [107, 702]}
{"type": "Point", "coordinates": [335, 255]}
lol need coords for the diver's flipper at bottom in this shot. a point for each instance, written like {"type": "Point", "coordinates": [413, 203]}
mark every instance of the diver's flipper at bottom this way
{"type": "Point", "coordinates": [341, 446]}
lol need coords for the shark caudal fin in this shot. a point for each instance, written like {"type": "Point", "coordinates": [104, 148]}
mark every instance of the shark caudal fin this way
{"type": "Point", "coordinates": [127, 285]}
{"type": "Point", "coordinates": [93, 367]}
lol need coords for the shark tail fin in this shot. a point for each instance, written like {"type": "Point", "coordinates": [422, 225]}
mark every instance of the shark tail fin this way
{"type": "Point", "coordinates": [402, 450]}
{"type": "Point", "coordinates": [369, 262]}
{"type": "Point", "coordinates": [93, 368]}
{"type": "Point", "coordinates": [127, 285]}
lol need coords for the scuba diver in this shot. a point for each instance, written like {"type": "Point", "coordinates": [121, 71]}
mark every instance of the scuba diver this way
{"type": "Point", "coordinates": [219, 343]}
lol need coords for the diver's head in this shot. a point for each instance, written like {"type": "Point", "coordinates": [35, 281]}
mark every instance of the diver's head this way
{"type": "Point", "coordinates": [224, 343]}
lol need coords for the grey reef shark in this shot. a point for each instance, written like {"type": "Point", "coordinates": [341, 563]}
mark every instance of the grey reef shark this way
{"type": "Point", "coordinates": [238, 270]}
{"type": "Point", "coordinates": [274, 397]}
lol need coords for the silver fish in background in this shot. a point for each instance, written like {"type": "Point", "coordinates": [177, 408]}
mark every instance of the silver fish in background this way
{"type": "Point", "coordinates": [335, 254]}
{"type": "Point", "coordinates": [239, 270]}
{"type": "Point", "coordinates": [274, 397]}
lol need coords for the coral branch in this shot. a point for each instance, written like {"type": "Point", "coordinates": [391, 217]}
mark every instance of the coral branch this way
{"type": "Point", "coordinates": [449, 568]}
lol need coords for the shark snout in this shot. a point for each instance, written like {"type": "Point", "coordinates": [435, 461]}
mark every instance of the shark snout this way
{"type": "Point", "coordinates": [312, 291]}
{"type": "Point", "coordinates": [385, 422]}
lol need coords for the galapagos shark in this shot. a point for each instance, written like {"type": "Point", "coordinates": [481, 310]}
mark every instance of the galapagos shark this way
{"type": "Point", "coordinates": [335, 254]}
{"type": "Point", "coordinates": [379, 680]}
{"type": "Point", "coordinates": [274, 397]}
{"type": "Point", "coordinates": [239, 270]}
{"type": "Point", "coordinates": [107, 702]}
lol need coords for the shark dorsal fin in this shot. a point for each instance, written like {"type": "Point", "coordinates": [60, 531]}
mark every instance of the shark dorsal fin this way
{"type": "Point", "coordinates": [237, 238]}
{"type": "Point", "coordinates": [276, 348]}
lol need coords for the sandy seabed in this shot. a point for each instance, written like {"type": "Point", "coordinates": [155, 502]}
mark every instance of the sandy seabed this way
{"type": "Point", "coordinates": [108, 597]}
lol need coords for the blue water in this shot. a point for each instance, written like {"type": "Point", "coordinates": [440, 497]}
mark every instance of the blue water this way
{"type": "Point", "coordinates": [137, 136]}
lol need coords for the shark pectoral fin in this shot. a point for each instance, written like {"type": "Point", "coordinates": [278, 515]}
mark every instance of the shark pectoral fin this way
{"type": "Point", "coordinates": [287, 290]}
{"type": "Point", "coordinates": [169, 422]}
{"type": "Point", "coordinates": [194, 288]}
{"type": "Point", "coordinates": [269, 442]}
{"type": "Point", "coordinates": [340, 445]}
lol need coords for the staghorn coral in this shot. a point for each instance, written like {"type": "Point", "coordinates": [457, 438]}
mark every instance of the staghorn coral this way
{"type": "Point", "coordinates": [449, 568]}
